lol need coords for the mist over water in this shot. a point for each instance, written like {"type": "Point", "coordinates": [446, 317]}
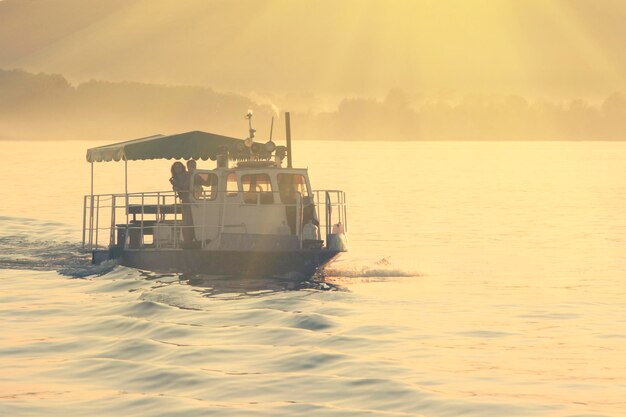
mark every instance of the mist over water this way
{"type": "Point", "coordinates": [484, 279]}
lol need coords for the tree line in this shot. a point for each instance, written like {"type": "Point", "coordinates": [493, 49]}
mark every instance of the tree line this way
{"type": "Point", "coordinates": [45, 106]}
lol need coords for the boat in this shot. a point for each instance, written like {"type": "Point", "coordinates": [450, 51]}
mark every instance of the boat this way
{"type": "Point", "coordinates": [249, 216]}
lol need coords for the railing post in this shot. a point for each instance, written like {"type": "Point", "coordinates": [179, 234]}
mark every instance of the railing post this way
{"type": "Point", "coordinates": [97, 219]}
{"type": "Point", "coordinates": [317, 211]}
{"type": "Point", "coordinates": [345, 212]}
{"type": "Point", "coordinates": [142, 215]}
{"type": "Point", "coordinates": [158, 209]}
{"type": "Point", "coordinates": [155, 237]}
{"type": "Point", "coordinates": [84, 219]}
{"type": "Point", "coordinates": [91, 222]}
{"type": "Point", "coordinates": [329, 213]}
{"type": "Point", "coordinates": [339, 207]}
{"type": "Point", "coordinates": [112, 231]}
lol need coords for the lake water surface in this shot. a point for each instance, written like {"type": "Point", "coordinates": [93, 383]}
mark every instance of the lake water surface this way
{"type": "Point", "coordinates": [484, 279]}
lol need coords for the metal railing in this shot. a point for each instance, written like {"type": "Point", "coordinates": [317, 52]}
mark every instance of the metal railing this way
{"type": "Point", "coordinates": [332, 204]}
{"type": "Point", "coordinates": [104, 214]}
{"type": "Point", "coordinates": [137, 220]}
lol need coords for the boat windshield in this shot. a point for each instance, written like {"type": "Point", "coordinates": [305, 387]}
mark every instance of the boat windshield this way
{"type": "Point", "coordinates": [290, 185]}
{"type": "Point", "coordinates": [257, 186]}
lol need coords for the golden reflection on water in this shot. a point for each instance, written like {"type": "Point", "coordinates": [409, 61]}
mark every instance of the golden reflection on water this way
{"type": "Point", "coordinates": [478, 272]}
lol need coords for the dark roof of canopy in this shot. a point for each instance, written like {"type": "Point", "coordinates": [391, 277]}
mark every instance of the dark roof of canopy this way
{"type": "Point", "coordinates": [190, 145]}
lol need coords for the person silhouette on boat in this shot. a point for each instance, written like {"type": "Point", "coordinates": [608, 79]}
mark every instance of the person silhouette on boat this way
{"type": "Point", "coordinates": [198, 181]}
{"type": "Point", "coordinates": [309, 214]}
{"type": "Point", "coordinates": [181, 183]}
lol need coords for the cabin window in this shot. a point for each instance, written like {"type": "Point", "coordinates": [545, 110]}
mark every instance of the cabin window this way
{"type": "Point", "coordinates": [231, 185]}
{"type": "Point", "coordinates": [290, 185]}
{"type": "Point", "coordinates": [257, 188]}
{"type": "Point", "coordinates": [205, 186]}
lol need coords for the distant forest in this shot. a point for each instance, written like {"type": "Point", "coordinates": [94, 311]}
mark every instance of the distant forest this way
{"type": "Point", "coordinates": [44, 106]}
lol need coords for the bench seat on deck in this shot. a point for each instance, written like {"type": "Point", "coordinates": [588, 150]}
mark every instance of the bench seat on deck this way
{"type": "Point", "coordinates": [156, 209]}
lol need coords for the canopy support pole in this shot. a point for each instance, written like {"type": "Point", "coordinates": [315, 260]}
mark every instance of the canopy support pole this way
{"type": "Point", "coordinates": [90, 213]}
{"type": "Point", "coordinates": [126, 188]}
{"type": "Point", "coordinates": [92, 180]}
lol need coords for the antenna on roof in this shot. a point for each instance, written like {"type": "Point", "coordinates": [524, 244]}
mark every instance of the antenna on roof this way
{"type": "Point", "coordinates": [250, 139]}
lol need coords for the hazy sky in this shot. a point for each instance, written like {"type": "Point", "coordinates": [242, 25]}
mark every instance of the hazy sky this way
{"type": "Point", "coordinates": [334, 48]}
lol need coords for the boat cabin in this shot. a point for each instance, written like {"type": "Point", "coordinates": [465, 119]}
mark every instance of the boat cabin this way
{"type": "Point", "coordinates": [249, 200]}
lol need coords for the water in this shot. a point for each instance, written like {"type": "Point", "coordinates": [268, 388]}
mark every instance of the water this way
{"type": "Point", "coordinates": [484, 279]}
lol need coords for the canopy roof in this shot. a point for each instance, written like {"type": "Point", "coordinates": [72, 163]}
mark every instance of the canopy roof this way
{"type": "Point", "coordinates": [190, 145]}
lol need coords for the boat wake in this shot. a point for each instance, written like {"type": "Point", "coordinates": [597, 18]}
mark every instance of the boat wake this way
{"type": "Point", "coordinates": [83, 270]}
{"type": "Point", "coordinates": [380, 269]}
{"type": "Point", "coordinates": [30, 244]}
{"type": "Point", "coordinates": [367, 272]}
{"type": "Point", "coordinates": [19, 252]}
